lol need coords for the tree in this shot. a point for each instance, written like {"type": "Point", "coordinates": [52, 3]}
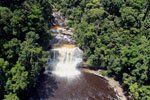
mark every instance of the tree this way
{"type": "Point", "coordinates": [3, 75]}
{"type": "Point", "coordinates": [11, 97]}
{"type": "Point", "coordinates": [32, 57]}
{"type": "Point", "coordinates": [147, 9]}
{"type": "Point", "coordinates": [18, 80]}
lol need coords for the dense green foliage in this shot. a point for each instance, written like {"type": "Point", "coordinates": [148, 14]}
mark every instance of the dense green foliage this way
{"type": "Point", "coordinates": [24, 40]}
{"type": "Point", "coordinates": [115, 36]}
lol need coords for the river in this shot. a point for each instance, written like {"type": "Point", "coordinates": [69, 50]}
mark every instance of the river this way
{"type": "Point", "coordinates": [64, 80]}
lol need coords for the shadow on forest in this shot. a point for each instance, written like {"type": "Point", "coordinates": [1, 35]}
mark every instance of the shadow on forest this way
{"type": "Point", "coordinates": [45, 88]}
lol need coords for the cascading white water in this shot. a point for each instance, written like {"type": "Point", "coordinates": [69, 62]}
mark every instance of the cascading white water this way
{"type": "Point", "coordinates": [64, 61]}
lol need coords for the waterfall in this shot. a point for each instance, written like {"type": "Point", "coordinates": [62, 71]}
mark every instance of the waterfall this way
{"type": "Point", "coordinates": [64, 61]}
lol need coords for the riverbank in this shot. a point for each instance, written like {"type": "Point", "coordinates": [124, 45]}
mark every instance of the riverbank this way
{"type": "Point", "coordinates": [112, 82]}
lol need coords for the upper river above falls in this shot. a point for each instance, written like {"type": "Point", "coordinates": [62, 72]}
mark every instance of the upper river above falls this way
{"type": "Point", "coordinates": [63, 80]}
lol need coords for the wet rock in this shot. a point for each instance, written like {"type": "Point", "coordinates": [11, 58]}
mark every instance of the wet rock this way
{"type": "Point", "coordinates": [61, 39]}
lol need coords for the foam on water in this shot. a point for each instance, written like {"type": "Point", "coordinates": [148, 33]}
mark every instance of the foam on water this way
{"type": "Point", "coordinates": [64, 61]}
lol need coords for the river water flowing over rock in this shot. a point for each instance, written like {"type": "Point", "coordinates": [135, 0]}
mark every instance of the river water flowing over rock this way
{"type": "Point", "coordinates": [64, 61]}
{"type": "Point", "coordinates": [64, 81]}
